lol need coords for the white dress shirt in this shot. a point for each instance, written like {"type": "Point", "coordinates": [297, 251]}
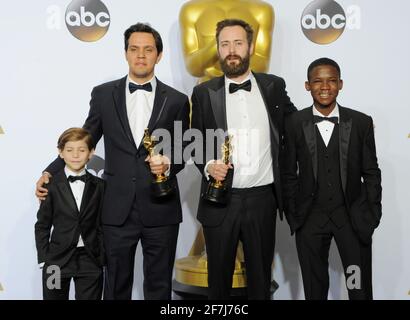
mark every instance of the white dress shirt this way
{"type": "Point", "coordinates": [248, 123]}
{"type": "Point", "coordinates": [326, 127]}
{"type": "Point", "coordinates": [77, 187]}
{"type": "Point", "coordinates": [139, 108]}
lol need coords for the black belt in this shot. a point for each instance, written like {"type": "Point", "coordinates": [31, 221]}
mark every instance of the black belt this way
{"type": "Point", "coordinates": [253, 190]}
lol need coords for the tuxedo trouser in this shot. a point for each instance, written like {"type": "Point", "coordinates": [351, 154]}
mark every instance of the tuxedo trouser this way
{"type": "Point", "coordinates": [158, 249]}
{"type": "Point", "coordinates": [313, 242]}
{"type": "Point", "coordinates": [251, 218]}
{"type": "Point", "coordinates": [87, 276]}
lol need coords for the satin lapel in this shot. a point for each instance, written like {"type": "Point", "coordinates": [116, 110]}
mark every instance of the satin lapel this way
{"type": "Point", "coordinates": [345, 127]}
{"type": "Point", "coordinates": [159, 105]}
{"type": "Point", "coordinates": [66, 193]}
{"type": "Point", "coordinates": [120, 106]}
{"type": "Point", "coordinates": [218, 104]}
{"type": "Point", "coordinates": [160, 101]}
{"type": "Point", "coordinates": [89, 189]}
{"type": "Point", "coordinates": [310, 137]}
{"type": "Point", "coordinates": [265, 89]}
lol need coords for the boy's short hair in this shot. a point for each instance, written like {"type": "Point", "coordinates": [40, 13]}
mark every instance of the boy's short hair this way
{"type": "Point", "coordinates": [323, 62]}
{"type": "Point", "coordinates": [75, 134]}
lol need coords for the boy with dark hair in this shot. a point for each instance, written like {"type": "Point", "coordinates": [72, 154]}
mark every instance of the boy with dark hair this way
{"type": "Point", "coordinates": [331, 185]}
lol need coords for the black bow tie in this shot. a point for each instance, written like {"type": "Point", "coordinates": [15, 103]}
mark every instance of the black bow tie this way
{"type": "Point", "coordinates": [75, 178]}
{"type": "Point", "coordinates": [233, 87]}
{"type": "Point", "coordinates": [317, 119]}
{"type": "Point", "coordinates": [146, 87]}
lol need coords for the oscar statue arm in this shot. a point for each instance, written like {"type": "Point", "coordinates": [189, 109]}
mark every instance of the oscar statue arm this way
{"type": "Point", "coordinates": [263, 37]}
{"type": "Point", "coordinates": [197, 58]}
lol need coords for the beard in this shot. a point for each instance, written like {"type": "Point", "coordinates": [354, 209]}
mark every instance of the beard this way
{"type": "Point", "coordinates": [232, 70]}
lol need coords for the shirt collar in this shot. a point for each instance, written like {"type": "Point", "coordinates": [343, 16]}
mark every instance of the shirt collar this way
{"type": "Point", "coordinates": [229, 81]}
{"type": "Point", "coordinates": [334, 113]}
{"type": "Point", "coordinates": [69, 172]}
{"type": "Point", "coordinates": [153, 82]}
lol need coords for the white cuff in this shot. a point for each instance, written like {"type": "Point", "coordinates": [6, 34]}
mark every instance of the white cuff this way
{"type": "Point", "coordinates": [206, 173]}
{"type": "Point", "coordinates": [169, 166]}
{"type": "Point", "coordinates": [48, 174]}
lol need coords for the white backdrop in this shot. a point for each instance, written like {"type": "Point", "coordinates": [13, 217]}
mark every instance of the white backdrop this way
{"type": "Point", "coordinates": [47, 76]}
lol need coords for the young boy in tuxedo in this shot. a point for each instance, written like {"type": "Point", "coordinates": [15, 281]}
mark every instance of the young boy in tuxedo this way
{"type": "Point", "coordinates": [331, 185]}
{"type": "Point", "coordinates": [72, 209]}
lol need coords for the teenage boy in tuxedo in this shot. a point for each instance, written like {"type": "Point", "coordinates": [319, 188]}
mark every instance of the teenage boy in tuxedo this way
{"type": "Point", "coordinates": [331, 185]}
{"type": "Point", "coordinates": [73, 210]}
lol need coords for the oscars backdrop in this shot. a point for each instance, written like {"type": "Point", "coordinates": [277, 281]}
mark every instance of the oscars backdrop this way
{"type": "Point", "coordinates": [55, 52]}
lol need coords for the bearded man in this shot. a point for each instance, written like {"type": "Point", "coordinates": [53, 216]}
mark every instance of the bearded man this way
{"type": "Point", "coordinates": [251, 107]}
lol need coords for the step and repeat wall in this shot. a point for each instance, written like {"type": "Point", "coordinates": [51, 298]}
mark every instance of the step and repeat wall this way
{"type": "Point", "coordinates": [54, 52]}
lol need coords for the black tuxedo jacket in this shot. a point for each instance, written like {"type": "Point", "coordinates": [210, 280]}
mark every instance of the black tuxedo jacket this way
{"type": "Point", "coordinates": [128, 177]}
{"type": "Point", "coordinates": [209, 112]}
{"type": "Point", "coordinates": [358, 162]}
{"type": "Point", "coordinates": [60, 211]}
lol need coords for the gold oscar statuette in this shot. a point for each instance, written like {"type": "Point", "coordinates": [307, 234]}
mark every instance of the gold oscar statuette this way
{"type": "Point", "coordinates": [160, 186]}
{"type": "Point", "coordinates": [217, 190]}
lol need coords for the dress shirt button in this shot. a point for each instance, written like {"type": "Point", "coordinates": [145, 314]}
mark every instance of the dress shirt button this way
{"type": "Point", "coordinates": [134, 179]}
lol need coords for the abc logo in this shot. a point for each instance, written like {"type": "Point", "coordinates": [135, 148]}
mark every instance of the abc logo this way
{"type": "Point", "coordinates": [87, 20]}
{"type": "Point", "coordinates": [323, 21]}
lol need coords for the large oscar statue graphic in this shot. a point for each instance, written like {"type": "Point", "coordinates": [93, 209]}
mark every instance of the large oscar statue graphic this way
{"type": "Point", "coordinates": [198, 19]}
